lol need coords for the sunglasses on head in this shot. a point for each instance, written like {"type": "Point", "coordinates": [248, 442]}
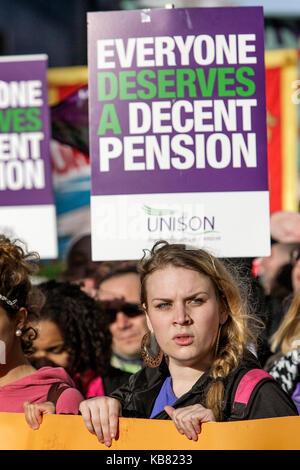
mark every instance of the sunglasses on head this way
{"type": "Point", "coordinates": [129, 309]}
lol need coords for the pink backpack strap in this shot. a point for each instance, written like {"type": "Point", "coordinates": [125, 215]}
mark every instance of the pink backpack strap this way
{"type": "Point", "coordinates": [245, 387]}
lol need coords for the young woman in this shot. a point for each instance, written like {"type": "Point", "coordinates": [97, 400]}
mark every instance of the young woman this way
{"type": "Point", "coordinates": [196, 351]}
{"type": "Point", "coordinates": [197, 318]}
{"type": "Point", "coordinates": [20, 302]}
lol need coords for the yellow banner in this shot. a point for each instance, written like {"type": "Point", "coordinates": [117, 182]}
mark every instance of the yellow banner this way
{"type": "Point", "coordinates": [63, 80]}
{"type": "Point", "coordinates": [62, 432]}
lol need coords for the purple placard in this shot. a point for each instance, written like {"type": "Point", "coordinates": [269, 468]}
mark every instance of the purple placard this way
{"type": "Point", "coordinates": [25, 165]}
{"type": "Point", "coordinates": [177, 101]}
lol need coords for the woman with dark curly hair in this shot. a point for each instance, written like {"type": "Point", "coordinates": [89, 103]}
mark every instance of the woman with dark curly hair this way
{"type": "Point", "coordinates": [73, 333]}
{"type": "Point", "coordinates": [20, 303]}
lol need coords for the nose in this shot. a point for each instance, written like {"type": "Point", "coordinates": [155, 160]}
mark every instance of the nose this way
{"type": "Point", "coordinates": [122, 320]}
{"type": "Point", "coordinates": [181, 315]}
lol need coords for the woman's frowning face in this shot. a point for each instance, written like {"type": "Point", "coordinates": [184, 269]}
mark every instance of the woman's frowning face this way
{"type": "Point", "coordinates": [184, 313]}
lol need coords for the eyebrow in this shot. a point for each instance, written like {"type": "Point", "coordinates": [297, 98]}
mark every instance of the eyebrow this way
{"type": "Point", "coordinates": [192, 296]}
{"type": "Point", "coordinates": [54, 346]}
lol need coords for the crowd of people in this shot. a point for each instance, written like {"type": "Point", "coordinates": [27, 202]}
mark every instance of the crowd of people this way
{"type": "Point", "coordinates": [175, 335]}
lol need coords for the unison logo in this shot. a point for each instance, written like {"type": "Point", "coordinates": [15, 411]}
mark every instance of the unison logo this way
{"type": "Point", "coordinates": [170, 221]}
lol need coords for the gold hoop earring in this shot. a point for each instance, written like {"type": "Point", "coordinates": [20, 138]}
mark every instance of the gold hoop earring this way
{"type": "Point", "coordinates": [150, 350]}
{"type": "Point", "coordinates": [217, 340]}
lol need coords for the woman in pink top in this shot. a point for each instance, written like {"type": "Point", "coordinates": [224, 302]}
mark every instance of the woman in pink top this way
{"type": "Point", "coordinates": [20, 303]}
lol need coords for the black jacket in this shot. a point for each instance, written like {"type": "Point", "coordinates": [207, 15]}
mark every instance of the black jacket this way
{"type": "Point", "coordinates": [114, 378]}
{"type": "Point", "coordinates": [268, 400]}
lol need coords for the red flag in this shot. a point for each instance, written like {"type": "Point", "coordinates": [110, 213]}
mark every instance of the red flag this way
{"type": "Point", "coordinates": [282, 129]}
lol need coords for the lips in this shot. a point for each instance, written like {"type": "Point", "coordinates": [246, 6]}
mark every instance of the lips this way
{"type": "Point", "coordinates": [183, 339]}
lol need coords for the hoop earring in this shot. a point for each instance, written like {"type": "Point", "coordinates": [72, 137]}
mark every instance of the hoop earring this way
{"type": "Point", "coordinates": [218, 340]}
{"type": "Point", "coordinates": [150, 351]}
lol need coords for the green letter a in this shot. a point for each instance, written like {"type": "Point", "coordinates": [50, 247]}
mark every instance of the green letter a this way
{"type": "Point", "coordinates": [109, 120]}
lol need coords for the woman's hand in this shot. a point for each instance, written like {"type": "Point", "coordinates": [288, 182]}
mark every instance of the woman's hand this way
{"type": "Point", "coordinates": [188, 419]}
{"type": "Point", "coordinates": [34, 412]}
{"type": "Point", "coordinates": [101, 416]}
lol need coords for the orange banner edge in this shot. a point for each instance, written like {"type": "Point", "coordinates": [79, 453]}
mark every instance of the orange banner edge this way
{"type": "Point", "coordinates": [66, 432]}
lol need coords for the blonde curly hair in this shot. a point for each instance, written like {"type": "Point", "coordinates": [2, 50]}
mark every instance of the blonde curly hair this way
{"type": "Point", "coordinates": [235, 334]}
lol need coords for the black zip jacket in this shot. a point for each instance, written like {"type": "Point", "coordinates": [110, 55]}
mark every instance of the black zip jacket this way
{"type": "Point", "coordinates": [268, 399]}
{"type": "Point", "coordinates": [114, 379]}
